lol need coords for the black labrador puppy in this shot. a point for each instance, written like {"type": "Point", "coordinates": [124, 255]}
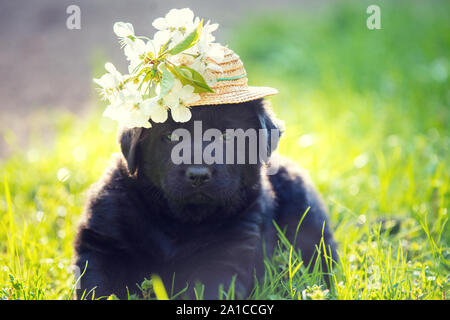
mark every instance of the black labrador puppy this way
{"type": "Point", "coordinates": [193, 222]}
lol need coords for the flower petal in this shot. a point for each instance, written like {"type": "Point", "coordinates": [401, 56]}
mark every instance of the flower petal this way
{"type": "Point", "coordinates": [123, 29]}
{"type": "Point", "coordinates": [181, 114]}
{"type": "Point", "coordinates": [159, 113]}
{"type": "Point", "coordinates": [160, 24]}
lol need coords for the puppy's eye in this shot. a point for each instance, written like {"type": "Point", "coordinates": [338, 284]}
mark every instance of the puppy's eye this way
{"type": "Point", "coordinates": [226, 137]}
{"type": "Point", "coordinates": [170, 137]}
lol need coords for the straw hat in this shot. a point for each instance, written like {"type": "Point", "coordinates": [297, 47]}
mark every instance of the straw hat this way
{"type": "Point", "coordinates": [232, 84]}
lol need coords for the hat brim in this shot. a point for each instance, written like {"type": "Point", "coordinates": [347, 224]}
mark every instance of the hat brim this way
{"type": "Point", "coordinates": [249, 94]}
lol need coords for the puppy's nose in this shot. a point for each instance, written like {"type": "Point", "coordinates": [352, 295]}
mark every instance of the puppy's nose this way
{"type": "Point", "coordinates": [198, 175]}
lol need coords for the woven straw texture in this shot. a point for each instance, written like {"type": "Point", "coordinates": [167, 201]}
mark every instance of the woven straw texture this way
{"type": "Point", "coordinates": [234, 90]}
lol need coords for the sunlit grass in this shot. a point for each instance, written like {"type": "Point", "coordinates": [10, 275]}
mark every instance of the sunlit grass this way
{"type": "Point", "coordinates": [367, 115]}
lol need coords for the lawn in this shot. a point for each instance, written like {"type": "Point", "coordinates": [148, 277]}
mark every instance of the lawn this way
{"type": "Point", "coordinates": [367, 113]}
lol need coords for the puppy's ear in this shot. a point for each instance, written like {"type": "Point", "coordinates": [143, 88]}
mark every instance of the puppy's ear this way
{"type": "Point", "coordinates": [129, 140]}
{"type": "Point", "coordinates": [273, 126]}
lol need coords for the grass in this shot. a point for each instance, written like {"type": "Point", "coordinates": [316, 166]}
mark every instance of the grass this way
{"type": "Point", "coordinates": [367, 114]}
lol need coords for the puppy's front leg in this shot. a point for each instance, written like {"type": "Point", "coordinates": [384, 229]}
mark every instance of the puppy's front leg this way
{"type": "Point", "coordinates": [229, 258]}
{"type": "Point", "coordinates": [104, 268]}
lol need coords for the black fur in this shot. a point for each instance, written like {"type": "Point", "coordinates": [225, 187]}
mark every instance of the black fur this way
{"type": "Point", "coordinates": [142, 217]}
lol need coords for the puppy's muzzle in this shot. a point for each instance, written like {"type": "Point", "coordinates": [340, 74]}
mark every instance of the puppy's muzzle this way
{"type": "Point", "coordinates": [198, 176]}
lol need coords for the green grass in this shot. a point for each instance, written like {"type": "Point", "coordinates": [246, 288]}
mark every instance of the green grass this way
{"type": "Point", "coordinates": [366, 113]}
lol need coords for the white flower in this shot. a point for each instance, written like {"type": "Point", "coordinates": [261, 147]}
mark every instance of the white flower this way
{"type": "Point", "coordinates": [175, 19]}
{"type": "Point", "coordinates": [181, 114]}
{"type": "Point", "coordinates": [123, 29]}
{"type": "Point", "coordinates": [206, 46]}
{"type": "Point", "coordinates": [127, 118]}
{"type": "Point", "coordinates": [206, 38]}
{"type": "Point", "coordinates": [128, 108]}
{"type": "Point", "coordinates": [156, 108]}
{"type": "Point", "coordinates": [181, 95]}
{"type": "Point", "coordinates": [159, 39]}
{"type": "Point", "coordinates": [185, 59]}
{"type": "Point", "coordinates": [134, 49]}
{"type": "Point", "coordinates": [125, 32]}
{"type": "Point", "coordinates": [187, 95]}
{"type": "Point", "coordinates": [209, 55]}
{"type": "Point", "coordinates": [215, 52]}
{"type": "Point", "coordinates": [206, 67]}
{"type": "Point", "coordinates": [171, 100]}
{"type": "Point", "coordinates": [178, 98]}
{"type": "Point", "coordinates": [110, 81]}
{"type": "Point", "coordinates": [132, 104]}
{"type": "Point", "coordinates": [178, 22]}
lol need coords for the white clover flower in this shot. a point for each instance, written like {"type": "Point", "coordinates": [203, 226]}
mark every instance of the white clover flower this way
{"type": "Point", "coordinates": [110, 81]}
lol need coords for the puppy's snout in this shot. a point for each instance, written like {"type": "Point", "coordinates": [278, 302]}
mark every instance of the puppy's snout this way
{"type": "Point", "coordinates": [198, 175]}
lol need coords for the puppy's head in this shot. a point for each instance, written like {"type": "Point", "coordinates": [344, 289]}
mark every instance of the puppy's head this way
{"type": "Point", "coordinates": [209, 165]}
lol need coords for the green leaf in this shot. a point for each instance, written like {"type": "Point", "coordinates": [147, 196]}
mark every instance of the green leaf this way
{"type": "Point", "coordinates": [191, 39]}
{"type": "Point", "coordinates": [180, 75]}
{"type": "Point", "coordinates": [197, 78]}
{"type": "Point", "coordinates": [167, 81]}
{"type": "Point", "coordinates": [189, 76]}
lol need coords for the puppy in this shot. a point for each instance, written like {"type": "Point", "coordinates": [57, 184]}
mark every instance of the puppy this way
{"type": "Point", "coordinates": [193, 222]}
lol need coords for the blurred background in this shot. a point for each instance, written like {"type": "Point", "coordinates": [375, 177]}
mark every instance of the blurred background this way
{"type": "Point", "coordinates": [367, 113]}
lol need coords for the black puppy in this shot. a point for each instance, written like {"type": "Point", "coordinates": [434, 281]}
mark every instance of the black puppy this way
{"type": "Point", "coordinates": [191, 223]}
